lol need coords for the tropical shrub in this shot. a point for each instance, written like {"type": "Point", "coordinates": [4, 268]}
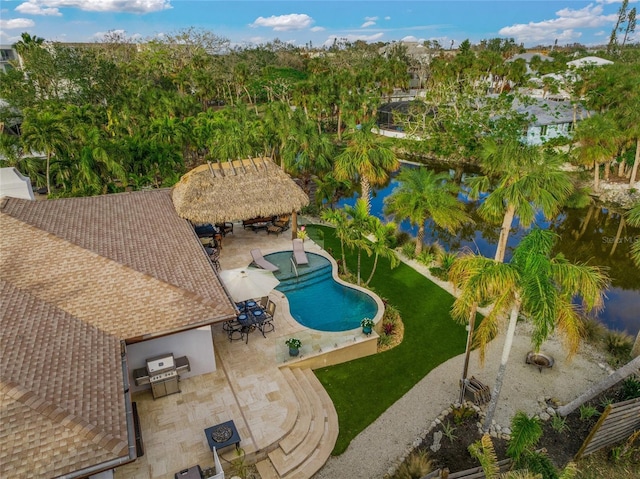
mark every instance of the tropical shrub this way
{"type": "Point", "coordinates": [426, 258]}
{"type": "Point", "coordinates": [415, 466]}
{"type": "Point", "coordinates": [388, 328]}
{"type": "Point", "coordinates": [402, 238]}
{"type": "Point", "coordinates": [409, 250]}
{"type": "Point", "coordinates": [618, 344]}
{"type": "Point", "coordinates": [559, 423]}
{"type": "Point", "coordinates": [630, 388]}
{"type": "Point", "coordinates": [593, 330]}
{"type": "Point", "coordinates": [587, 412]}
{"type": "Point", "coordinates": [462, 413]}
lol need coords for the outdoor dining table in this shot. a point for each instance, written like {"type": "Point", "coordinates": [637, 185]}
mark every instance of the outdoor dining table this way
{"type": "Point", "coordinates": [251, 317]}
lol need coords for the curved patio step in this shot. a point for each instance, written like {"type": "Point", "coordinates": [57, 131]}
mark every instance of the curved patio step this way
{"type": "Point", "coordinates": [299, 457]}
{"type": "Point", "coordinates": [305, 415]}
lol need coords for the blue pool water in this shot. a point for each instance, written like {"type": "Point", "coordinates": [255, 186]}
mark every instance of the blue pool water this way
{"type": "Point", "coordinates": [316, 300]}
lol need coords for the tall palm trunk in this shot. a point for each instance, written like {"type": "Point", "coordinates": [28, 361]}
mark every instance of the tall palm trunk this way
{"type": "Point", "coordinates": [596, 176]}
{"type": "Point", "coordinates": [618, 234]}
{"type": "Point", "coordinates": [634, 170]}
{"type": "Point", "coordinates": [420, 238]}
{"type": "Point", "coordinates": [635, 351]}
{"type": "Point", "coordinates": [366, 192]}
{"type": "Point", "coordinates": [48, 173]}
{"type": "Point", "coordinates": [344, 258]}
{"type": "Point", "coordinates": [375, 265]}
{"type": "Point", "coordinates": [465, 369]}
{"type": "Point", "coordinates": [585, 222]}
{"type": "Point", "coordinates": [501, 251]}
{"type": "Point", "coordinates": [506, 350]}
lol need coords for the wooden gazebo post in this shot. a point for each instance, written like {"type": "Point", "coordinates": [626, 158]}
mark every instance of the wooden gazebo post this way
{"type": "Point", "coordinates": [294, 224]}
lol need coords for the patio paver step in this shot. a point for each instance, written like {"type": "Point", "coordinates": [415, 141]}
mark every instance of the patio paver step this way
{"type": "Point", "coordinates": [307, 454]}
{"type": "Point", "coordinates": [303, 422]}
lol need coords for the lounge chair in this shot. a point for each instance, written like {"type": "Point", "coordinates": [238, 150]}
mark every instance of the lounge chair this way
{"type": "Point", "coordinates": [299, 256]}
{"type": "Point", "coordinates": [260, 262]}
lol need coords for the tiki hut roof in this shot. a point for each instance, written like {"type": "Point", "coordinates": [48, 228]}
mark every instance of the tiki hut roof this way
{"type": "Point", "coordinates": [236, 190]}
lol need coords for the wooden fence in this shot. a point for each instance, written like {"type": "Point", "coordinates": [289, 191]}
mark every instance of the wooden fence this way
{"type": "Point", "coordinates": [617, 423]}
{"type": "Point", "coordinates": [475, 473]}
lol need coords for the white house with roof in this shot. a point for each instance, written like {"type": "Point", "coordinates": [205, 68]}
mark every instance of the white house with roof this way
{"type": "Point", "coordinates": [550, 119]}
{"type": "Point", "coordinates": [589, 61]}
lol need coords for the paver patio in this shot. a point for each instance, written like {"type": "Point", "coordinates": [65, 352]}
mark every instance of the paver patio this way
{"type": "Point", "coordinates": [248, 385]}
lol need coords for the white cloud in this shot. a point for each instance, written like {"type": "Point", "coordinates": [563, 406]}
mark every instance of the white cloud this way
{"type": "Point", "coordinates": [16, 23]}
{"type": "Point", "coordinates": [369, 22]}
{"type": "Point", "coordinates": [284, 23]}
{"type": "Point", "coordinates": [387, 18]}
{"type": "Point", "coordinates": [125, 6]}
{"type": "Point", "coordinates": [352, 38]}
{"type": "Point", "coordinates": [318, 29]}
{"type": "Point", "coordinates": [32, 7]}
{"type": "Point", "coordinates": [102, 35]}
{"type": "Point", "coordinates": [564, 27]}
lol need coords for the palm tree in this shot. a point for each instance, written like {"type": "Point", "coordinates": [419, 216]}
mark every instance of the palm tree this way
{"type": "Point", "coordinates": [359, 226]}
{"type": "Point", "coordinates": [532, 284]}
{"type": "Point", "coordinates": [366, 158]}
{"type": "Point", "coordinates": [528, 178]}
{"type": "Point", "coordinates": [598, 143]}
{"type": "Point", "coordinates": [306, 152]}
{"type": "Point", "coordinates": [382, 239]}
{"type": "Point", "coordinates": [339, 219]}
{"type": "Point", "coordinates": [45, 132]}
{"type": "Point", "coordinates": [423, 194]}
{"type": "Point", "coordinates": [330, 190]}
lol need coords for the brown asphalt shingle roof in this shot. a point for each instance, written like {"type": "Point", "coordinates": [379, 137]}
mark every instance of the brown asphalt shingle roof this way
{"type": "Point", "coordinates": [77, 276]}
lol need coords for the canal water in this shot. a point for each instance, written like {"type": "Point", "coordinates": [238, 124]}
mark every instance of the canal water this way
{"type": "Point", "coordinates": [585, 235]}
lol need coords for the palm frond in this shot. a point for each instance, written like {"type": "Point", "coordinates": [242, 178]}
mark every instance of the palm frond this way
{"type": "Point", "coordinates": [485, 453]}
{"type": "Point", "coordinates": [525, 434]}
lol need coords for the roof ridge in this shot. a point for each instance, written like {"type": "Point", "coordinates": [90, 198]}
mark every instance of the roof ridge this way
{"type": "Point", "coordinates": [60, 416]}
{"type": "Point", "coordinates": [191, 295]}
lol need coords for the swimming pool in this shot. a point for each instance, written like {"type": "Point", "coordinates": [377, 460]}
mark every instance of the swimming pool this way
{"type": "Point", "coordinates": [316, 300]}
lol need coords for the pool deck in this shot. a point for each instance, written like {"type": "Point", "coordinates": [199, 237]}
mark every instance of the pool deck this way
{"type": "Point", "coordinates": [286, 421]}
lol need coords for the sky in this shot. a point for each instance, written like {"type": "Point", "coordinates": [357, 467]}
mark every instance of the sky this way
{"type": "Point", "coordinates": [302, 22]}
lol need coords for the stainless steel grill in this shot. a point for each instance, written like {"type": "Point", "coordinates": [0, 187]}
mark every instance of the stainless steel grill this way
{"type": "Point", "coordinates": [163, 375]}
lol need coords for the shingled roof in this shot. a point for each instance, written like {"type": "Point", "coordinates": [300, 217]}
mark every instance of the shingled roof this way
{"type": "Point", "coordinates": [78, 277]}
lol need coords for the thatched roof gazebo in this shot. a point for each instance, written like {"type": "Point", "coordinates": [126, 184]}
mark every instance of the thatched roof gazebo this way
{"type": "Point", "coordinates": [236, 190]}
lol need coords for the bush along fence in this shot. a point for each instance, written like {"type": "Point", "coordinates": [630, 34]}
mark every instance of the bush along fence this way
{"type": "Point", "coordinates": [617, 423]}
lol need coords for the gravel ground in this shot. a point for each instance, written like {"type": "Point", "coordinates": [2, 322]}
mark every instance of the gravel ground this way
{"type": "Point", "coordinates": [379, 448]}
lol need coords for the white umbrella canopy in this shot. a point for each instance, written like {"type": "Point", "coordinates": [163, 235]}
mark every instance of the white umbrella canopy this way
{"type": "Point", "coordinates": [248, 283]}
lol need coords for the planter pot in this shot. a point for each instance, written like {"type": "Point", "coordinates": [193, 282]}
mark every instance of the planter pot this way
{"type": "Point", "coordinates": [366, 330]}
{"type": "Point", "coordinates": [294, 351]}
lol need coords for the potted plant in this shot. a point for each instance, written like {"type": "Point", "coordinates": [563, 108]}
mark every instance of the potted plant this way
{"type": "Point", "coordinates": [302, 234]}
{"type": "Point", "coordinates": [367, 325]}
{"type": "Point", "coordinates": [294, 346]}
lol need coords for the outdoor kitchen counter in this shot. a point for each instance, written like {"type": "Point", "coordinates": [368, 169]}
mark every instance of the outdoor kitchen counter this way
{"type": "Point", "coordinates": [182, 365]}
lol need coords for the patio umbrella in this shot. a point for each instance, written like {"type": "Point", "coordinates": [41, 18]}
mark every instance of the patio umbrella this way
{"type": "Point", "coordinates": [248, 283]}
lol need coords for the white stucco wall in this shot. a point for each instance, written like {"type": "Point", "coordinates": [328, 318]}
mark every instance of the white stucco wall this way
{"type": "Point", "coordinates": [535, 137]}
{"type": "Point", "coordinates": [196, 344]}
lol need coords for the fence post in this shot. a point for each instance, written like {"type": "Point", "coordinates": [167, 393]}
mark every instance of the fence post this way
{"type": "Point", "coordinates": [593, 432]}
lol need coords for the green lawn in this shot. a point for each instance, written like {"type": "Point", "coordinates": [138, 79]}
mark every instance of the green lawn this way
{"type": "Point", "coordinates": [363, 389]}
